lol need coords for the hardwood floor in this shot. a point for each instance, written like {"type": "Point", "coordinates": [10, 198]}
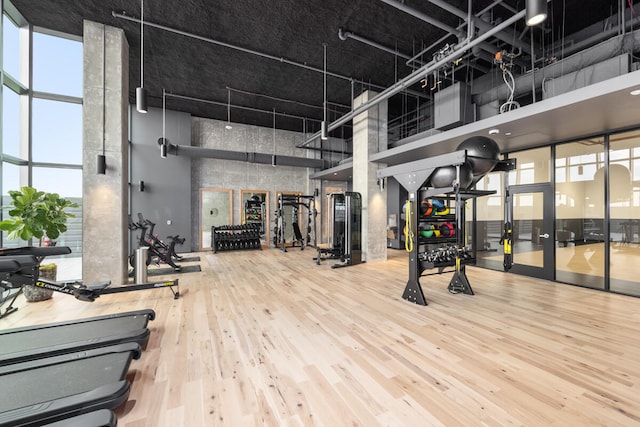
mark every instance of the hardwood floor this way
{"type": "Point", "coordinates": [271, 338]}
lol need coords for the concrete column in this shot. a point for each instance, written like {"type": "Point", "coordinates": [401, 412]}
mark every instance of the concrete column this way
{"type": "Point", "coordinates": [370, 136]}
{"type": "Point", "coordinates": [105, 123]}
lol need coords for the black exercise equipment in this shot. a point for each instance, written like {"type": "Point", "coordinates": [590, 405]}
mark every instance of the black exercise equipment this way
{"type": "Point", "coordinates": [235, 237]}
{"type": "Point", "coordinates": [296, 202]}
{"type": "Point", "coordinates": [8, 292]}
{"type": "Point", "coordinates": [51, 339]}
{"type": "Point", "coordinates": [29, 259]}
{"type": "Point", "coordinates": [345, 230]}
{"type": "Point", "coordinates": [439, 241]}
{"type": "Point", "coordinates": [99, 418]}
{"type": "Point", "coordinates": [157, 251]}
{"type": "Point", "coordinates": [55, 388]}
{"type": "Point", "coordinates": [153, 239]}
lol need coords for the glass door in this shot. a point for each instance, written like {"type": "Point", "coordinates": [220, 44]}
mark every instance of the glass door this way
{"type": "Point", "coordinates": [533, 239]}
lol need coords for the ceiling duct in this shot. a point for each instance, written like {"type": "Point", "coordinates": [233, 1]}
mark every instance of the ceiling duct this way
{"type": "Point", "coordinates": [485, 92]}
{"type": "Point", "coordinates": [251, 157]}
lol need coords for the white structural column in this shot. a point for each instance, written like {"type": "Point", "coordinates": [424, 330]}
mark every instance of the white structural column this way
{"type": "Point", "coordinates": [369, 137]}
{"type": "Point", "coordinates": [105, 121]}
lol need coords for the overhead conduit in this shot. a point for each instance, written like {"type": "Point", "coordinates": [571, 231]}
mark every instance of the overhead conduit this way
{"type": "Point", "coordinates": [418, 75]}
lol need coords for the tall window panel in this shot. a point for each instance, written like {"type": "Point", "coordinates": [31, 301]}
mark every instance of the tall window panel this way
{"type": "Point", "coordinates": [624, 211]}
{"type": "Point", "coordinates": [11, 43]}
{"type": "Point", "coordinates": [67, 183]}
{"type": "Point", "coordinates": [12, 179]}
{"type": "Point", "coordinates": [57, 65]}
{"type": "Point", "coordinates": [489, 222]}
{"type": "Point", "coordinates": [12, 131]}
{"type": "Point", "coordinates": [57, 132]}
{"type": "Point", "coordinates": [580, 210]}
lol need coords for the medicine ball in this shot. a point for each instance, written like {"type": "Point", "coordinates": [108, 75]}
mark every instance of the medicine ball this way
{"type": "Point", "coordinates": [447, 229]}
{"type": "Point", "coordinates": [425, 208]}
{"type": "Point", "coordinates": [444, 176]}
{"type": "Point", "coordinates": [484, 153]}
{"type": "Point", "coordinates": [438, 205]}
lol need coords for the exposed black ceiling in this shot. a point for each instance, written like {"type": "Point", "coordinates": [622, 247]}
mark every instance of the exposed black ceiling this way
{"type": "Point", "coordinates": [291, 29]}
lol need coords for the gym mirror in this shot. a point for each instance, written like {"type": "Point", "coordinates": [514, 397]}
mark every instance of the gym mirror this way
{"type": "Point", "coordinates": [254, 209]}
{"type": "Point", "coordinates": [215, 210]}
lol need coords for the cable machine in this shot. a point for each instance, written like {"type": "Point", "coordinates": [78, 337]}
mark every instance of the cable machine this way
{"type": "Point", "coordinates": [344, 217]}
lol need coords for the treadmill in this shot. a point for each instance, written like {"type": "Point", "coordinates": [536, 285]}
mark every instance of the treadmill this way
{"type": "Point", "coordinates": [56, 388]}
{"type": "Point", "coordinates": [99, 418]}
{"type": "Point", "coordinates": [35, 342]}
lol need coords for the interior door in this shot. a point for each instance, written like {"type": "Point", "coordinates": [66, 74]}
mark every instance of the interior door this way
{"type": "Point", "coordinates": [533, 235]}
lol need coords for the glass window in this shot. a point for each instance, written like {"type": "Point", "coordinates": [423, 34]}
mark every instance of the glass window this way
{"type": "Point", "coordinates": [489, 222]}
{"type": "Point", "coordinates": [579, 200]}
{"type": "Point", "coordinates": [624, 205]}
{"type": "Point", "coordinates": [57, 132]}
{"type": "Point", "coordinates": [533, 166]}
{"type": "Point", "coordinates": [10, 181]}
{"type": "Point", "coordinates": [10, 48]}
{"type": "Point", "coordinates": [57, 65]}
{"type": "Point", "coordinates": [11, 123]}
{"type": "Point", "coordinates": [67, 183]}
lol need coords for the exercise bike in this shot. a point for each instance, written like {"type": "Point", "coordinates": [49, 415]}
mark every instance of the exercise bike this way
{"type": "Point", "coordinates": [156, 253]}
{"type": "Point", "coordinates": [21, 266]}
{"type": "Point", "coordinates": [153, 239]}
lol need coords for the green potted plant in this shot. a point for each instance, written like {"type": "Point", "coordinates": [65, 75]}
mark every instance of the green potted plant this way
{"type": "Point", "coordinates": [37, 214]}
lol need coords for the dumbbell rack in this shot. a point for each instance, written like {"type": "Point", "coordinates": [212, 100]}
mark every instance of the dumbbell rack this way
{"type": "Point", "coordinates": [235, 237]}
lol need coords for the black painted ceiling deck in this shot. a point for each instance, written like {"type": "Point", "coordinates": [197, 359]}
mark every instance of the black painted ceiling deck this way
{"type": "Point", "coordinates": [291, 29]}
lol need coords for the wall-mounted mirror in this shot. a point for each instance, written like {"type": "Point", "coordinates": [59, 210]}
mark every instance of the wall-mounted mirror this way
{"type": "Point", "coordinates": [254, 209]}
{"type": "Point", "coordinates": [215, 210]}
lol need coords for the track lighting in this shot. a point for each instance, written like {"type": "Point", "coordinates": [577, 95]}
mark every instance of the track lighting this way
{"type": "Point", "coordinates": [536, 12]}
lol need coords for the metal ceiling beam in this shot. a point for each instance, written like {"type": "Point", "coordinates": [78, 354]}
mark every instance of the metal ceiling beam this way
{"type": "Point", "coordinates": [418, 75]}
{"type": "Point", "coordinates": [344, 35]}
{"type": "Point", "coordinates": [423, 16]}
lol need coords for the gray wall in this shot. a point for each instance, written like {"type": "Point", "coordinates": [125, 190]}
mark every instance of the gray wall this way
{"type": "Point", "coordinates": [236, 175]}
{"type": "Point", "coordinates": [167, 195]}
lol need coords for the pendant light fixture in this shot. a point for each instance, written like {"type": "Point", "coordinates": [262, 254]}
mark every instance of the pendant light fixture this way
{"type": "Point", "coordinates": [536, 12]}
{"type": "Point", "coordinates": [163, 145]}
{"type": "Point", "coordinates": [273, 157]}
{"type": "Point", "coordinates": [141, 92]}
{"type": "Point", "coordinates": [323, 126]}
{"type": "Point", "coordinates": [102, 158]}
{"type": "Point", "coordinates": [228, 125]}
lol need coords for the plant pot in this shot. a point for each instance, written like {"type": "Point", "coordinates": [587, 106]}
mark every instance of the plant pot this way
{"type": "Point", "coordinates": [34, 293]}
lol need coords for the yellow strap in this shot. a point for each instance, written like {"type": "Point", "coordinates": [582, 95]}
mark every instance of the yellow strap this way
{"type": "Point", "coordinates": [408, 231]}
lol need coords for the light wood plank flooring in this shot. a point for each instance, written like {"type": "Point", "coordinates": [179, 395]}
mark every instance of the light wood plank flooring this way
{"type": "Point", "coordinates": [271, 338]}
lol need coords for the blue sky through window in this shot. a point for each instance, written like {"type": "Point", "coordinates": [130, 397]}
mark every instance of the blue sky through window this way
{"type": "Point", "coordinates": [56, 125]}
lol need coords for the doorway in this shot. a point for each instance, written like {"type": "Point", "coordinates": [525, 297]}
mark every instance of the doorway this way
{"type": "Point", "coordinates": [533, 236]}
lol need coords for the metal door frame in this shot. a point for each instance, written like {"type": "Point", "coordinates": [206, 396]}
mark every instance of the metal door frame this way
{"type": "Point", "coordinates": [547, 271]}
